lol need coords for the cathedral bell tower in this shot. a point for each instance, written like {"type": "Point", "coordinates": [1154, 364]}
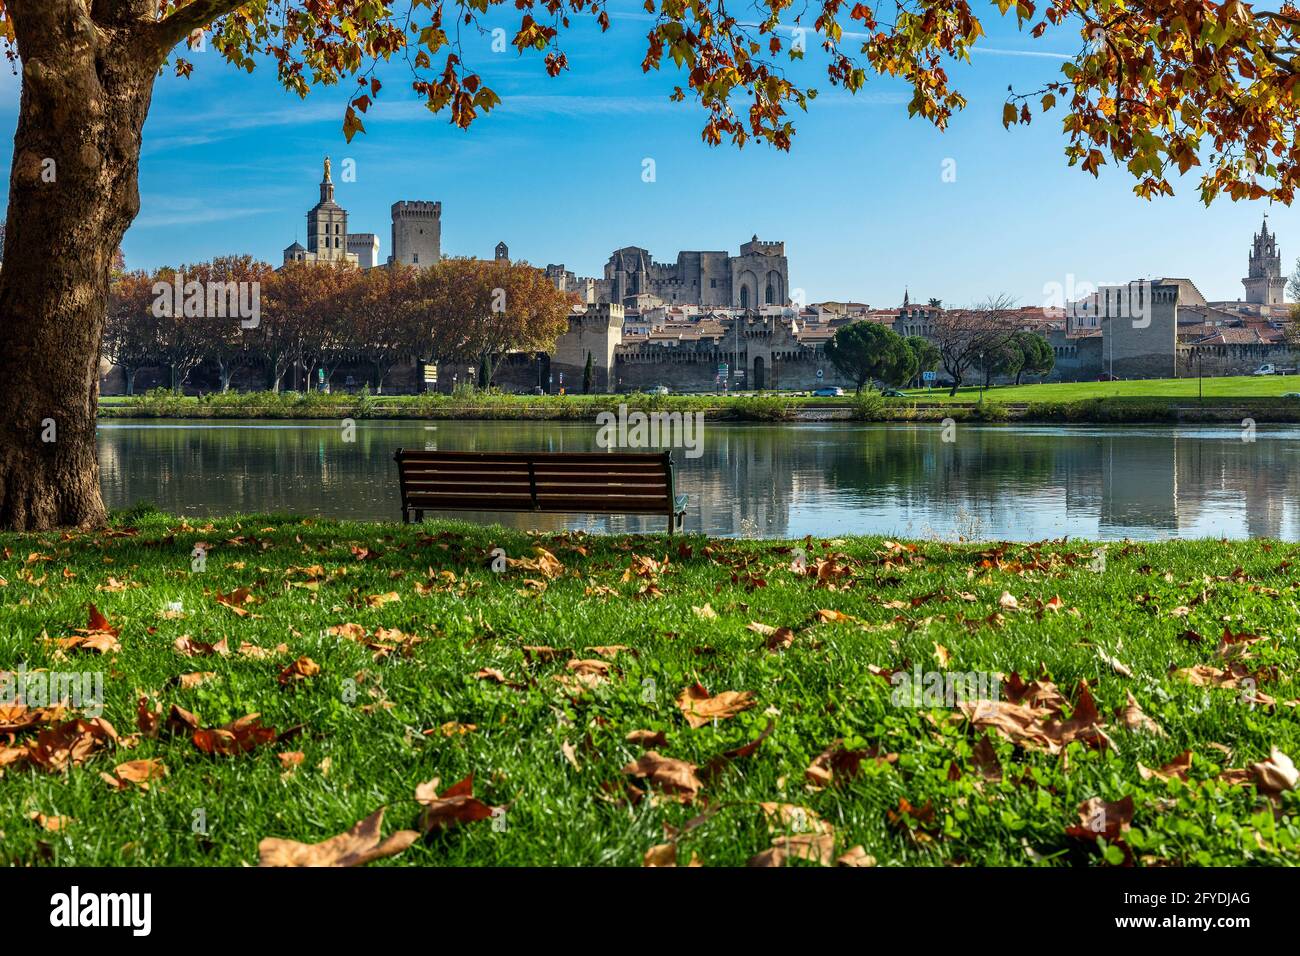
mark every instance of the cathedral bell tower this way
{"type": "Point", "coordinates": [1264, 282]}
{"type": "Point", "coordinates": [327, 224]}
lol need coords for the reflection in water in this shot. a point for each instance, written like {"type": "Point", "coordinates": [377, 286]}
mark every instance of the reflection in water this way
{"type": "Point", "coordinates": [1006, 482]}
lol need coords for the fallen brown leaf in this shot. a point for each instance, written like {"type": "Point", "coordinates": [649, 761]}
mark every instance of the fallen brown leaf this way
{"type": "Point", "coordinates": [358, 846]}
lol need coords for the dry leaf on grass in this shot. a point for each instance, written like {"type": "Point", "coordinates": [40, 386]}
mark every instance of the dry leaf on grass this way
{"type": "Point", "coordinates": [494, 675]}
{"type": "Point", "coordinates": [665, 855]}
{"type": "Point", "coordinates": [825, 616]}
{"type": "Point", "coordinates": [98, 635]}
{"type": "Point", "coordinates": [137, 772]}
{"type": "Point", "coordinates": [1099, 818]}
{"type": "Point", "coordinates": [192, 648]}
{"type": "Point", "coordinates": [290, 759]}
{"type": "Point", "coordinates": [1271, 776]}
{"type": "Point", "coordinates": [192, 680]}
{"type": "Point", "coordinates": [855, 856]}
{"type": "Point", "coordinates": [52, 824]}
{"type": "Point", "coordinates": [457, 804]}
{"type": "Point", "coordinates": [1041, 727]}
{"type": "Point", "coordinates": [358, 846]}
{"type": "Point", "coordinates": [1133, 718]}
{"type": "Point", "coordinates": [236, 600]}
{"type": "Point", "coordinates": [1176, 769]}
{"type": "Point", "coordinates": [675, 777]}
{"type": "Point", "coordinates": [836, 764]}
{"type": "Point", "coordinates": [791, 818]}
{"type": "Point", "coordinates": [257, 653]}
{"type": "Point", "coordinates": [544, 563]}
{"type": "Point", "coordinates": [239, 736]}
{"type": "Point", "coordinates": [299, 670]}
{"type": "Point", "coordinates": [451, 728]}
{"type": "Point", "coordinates": [68, 744]}
{"type": "Point", "coordinates": [700, 709]}
{"type": "Point", "coordinates": [647, 738]}
{"type": "Point", "coordinates": [815, 847]}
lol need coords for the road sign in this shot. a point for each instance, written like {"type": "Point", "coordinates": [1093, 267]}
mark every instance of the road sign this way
{"type": "Point", "coordinates": [928, 376]}
{"type": "Point", "coordinates": [430, 373]}
{"type": "Point", "coordinates": [820, 373]}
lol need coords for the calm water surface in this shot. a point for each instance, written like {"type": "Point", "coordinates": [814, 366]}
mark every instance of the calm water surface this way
{"type": "Point", "coordinates": [996, 481]}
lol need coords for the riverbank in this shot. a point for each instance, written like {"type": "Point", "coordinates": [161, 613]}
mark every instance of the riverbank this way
{"type": "Point", "coordinates": [1262, 399]}
{"type": "Point", "coordinates": [614, 699]}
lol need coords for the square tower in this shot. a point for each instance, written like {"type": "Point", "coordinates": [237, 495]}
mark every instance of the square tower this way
{"type": "Point", "coordinates": [417, 233]}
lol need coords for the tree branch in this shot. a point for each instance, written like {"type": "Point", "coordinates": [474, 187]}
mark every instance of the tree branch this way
{"type": "Point", "coordinates": [197, 14]}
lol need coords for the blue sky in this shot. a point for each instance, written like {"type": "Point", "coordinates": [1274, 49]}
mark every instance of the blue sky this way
{"type": "Point", "coordinates": [231, 163]}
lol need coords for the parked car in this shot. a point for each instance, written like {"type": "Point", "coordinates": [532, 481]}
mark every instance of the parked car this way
{"type": "Point", "coordinates": [893, 393]}
{"type": "Point", "coordinates": [1107, 377]}
{"type": "Point", "coordinates": [656, 390]}
{"type": "Point", "coordinates": [1292, 395]}
{"type": "Point", "coordinates": [828, 391]}
{"type": "Point", "coordinates": [1265, 370]}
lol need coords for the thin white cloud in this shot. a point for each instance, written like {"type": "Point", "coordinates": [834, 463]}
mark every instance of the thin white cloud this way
{"type": "Point", "coordinates": [189, 212]}
{"type": "Point", "coordinates": [1042, 54]}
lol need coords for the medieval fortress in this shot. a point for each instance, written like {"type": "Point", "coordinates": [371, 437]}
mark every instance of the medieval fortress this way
{"type": "Point", "coordinates": [758, 276]}
{"type": "Point", "coordinates": [712, 320]}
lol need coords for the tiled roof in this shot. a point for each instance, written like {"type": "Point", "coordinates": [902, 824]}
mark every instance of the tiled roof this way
{"type": "Point", "coordinates": [1231, 336]}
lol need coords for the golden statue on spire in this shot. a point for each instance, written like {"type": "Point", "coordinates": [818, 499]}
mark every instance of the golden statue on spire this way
{"type": "Point", "coordinates": [327, 169]}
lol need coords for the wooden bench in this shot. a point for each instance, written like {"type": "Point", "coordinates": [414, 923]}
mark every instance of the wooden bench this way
{"type": "Point", "coordinates": [633, 483]}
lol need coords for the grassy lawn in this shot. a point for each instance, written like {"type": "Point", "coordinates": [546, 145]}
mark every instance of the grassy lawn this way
{"type": "Point", "coordinates": [1235, 387]}
{"type": "Point", "coordinates": [386, 656]}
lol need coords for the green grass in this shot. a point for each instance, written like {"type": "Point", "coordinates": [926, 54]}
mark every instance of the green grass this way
{"type": "Point", "coordinates": [464, 404]}
{"type": "Point", "coordinates": [1246, 387]}
{"type": "Point", "coordinates": [369, 751]}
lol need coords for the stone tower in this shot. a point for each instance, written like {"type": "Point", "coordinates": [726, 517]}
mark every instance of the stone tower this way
{"type": "Point", "coordinates": [327, 224]}
{"type": "Point", "coordinates": [1264, 282]}
{"type": "Point", "coordinates": [417, 233]}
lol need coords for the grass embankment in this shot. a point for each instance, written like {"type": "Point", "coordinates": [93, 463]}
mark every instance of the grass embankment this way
{"type": "Point", "coordinates": [556, 682]}
{"type": "Point", "coordinates": [1156, 400]}
{"type": "Point", "coordinates": [464, 404]}
{"type": "Point", "coordinates": [1183, 390]}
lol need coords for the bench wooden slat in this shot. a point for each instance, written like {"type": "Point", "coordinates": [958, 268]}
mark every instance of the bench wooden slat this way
{"type": "Point", "coordinates": [549, 481]}
{"type": "Point", "coordinates": [592, 475]}
{"type": "Point", "coordinates": [411, 454]}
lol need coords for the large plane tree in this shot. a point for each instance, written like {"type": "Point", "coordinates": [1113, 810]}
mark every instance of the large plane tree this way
{"type": "Point", "coordinates": [1158, 86]}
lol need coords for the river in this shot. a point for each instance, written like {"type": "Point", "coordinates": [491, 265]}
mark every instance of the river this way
{"type": "Point", "coordinates": [1012, 482]}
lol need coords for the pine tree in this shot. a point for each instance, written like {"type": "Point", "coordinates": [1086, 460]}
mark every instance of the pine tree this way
{"type": "Point", "coordinates": [588, 377]}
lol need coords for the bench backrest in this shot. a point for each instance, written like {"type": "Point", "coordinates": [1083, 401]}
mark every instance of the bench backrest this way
{"type": "Point", "coordinates": [609, 482]}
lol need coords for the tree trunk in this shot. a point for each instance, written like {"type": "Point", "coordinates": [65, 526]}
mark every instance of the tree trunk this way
{"type": "Point", "coordinates": [72, 194]}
